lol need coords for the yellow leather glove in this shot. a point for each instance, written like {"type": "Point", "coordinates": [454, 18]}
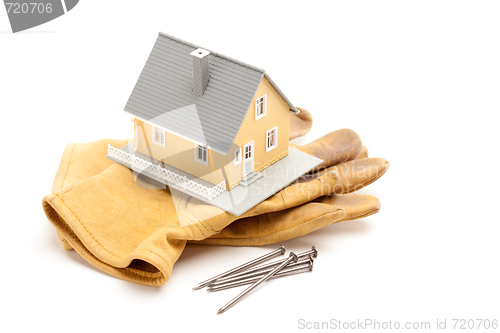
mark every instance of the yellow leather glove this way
{"type": "Point", "coordinates": [137, 234]}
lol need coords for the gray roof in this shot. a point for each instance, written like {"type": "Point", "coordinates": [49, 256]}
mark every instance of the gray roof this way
{"type": "Point", "coordinates": [163, 94]}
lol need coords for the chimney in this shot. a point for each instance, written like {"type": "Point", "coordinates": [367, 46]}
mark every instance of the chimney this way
{"type": "Point", "coordinates": [201, 72]}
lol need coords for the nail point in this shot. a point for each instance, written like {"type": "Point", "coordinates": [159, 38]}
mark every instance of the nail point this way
{"type": "Point", "coordinates": [272, 254]}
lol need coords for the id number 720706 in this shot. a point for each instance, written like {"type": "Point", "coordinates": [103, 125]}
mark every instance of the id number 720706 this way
{"type": "Point", "coordinates": [469, 324]}
{"type": "Point", "coordinates": [28, 7]}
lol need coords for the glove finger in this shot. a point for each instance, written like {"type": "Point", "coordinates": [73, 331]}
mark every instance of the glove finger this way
{"type": "Point", "coordinates": [354, 175]}
{"type": "Point", "coordinates": [276, 227]}
{"type": "Point", "coordinates": [284, 225]}
{"type": "Point", "coordinates": [300, 124]}
{"type": "Point", "coordinates": [334, 148]}
{"type": "Point", "coordinates": [340, 179]}
{"type": "Point", "coordinates": [363, 153]}
{"type": "Point", "coordinates": [191, 211]}
{"type": "Point", "coordinates": [297, 194]}
{"type": "Point", "coordinates": [356, 206]}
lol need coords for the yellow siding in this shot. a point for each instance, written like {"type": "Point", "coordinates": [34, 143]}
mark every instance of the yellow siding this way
{"type": "Point", "coordinates": [277, 115]}
{"type": "Point", "coordinates": [179, 152]}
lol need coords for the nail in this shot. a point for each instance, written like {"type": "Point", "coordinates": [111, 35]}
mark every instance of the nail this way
{"type": "Point", "coordinates": [259, 273]}
{"type": "Point", "coordinates": [272, 254]}
{"type": "Point", "coordinates": [285, 272]}
{"type": "Point", "coordinates": [291, 258]}
{"type": "Point", "coordinates": [311, 253]}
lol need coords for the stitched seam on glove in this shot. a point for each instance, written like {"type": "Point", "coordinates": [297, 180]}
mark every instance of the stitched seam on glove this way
{"type": "Point", "coordinates": [136, 272]}
{"type": "Point", "coordinates": [362, 215]}
{"type": "Point", "coordinates": [69, 163]}
{"type": "Point", "coordinates": [88, 233]}
{"type": "Point", "coordinates": [283, 199]}
{"type": "Point", "coordinates": [66, 190]}
{"type": "Point", "coordinates": [157, 255]}
{"type": "Point", "coordinates": [196, 223]}
{"type": "Point", "coordinates": [127, 269]}
{"type": "Point", "coordinates": [285, 229]}
{"type": "Point", "coordinates": [376, 177]}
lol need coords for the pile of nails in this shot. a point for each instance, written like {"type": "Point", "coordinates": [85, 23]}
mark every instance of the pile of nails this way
{"type": "Point", "coordinates": [248, 273]}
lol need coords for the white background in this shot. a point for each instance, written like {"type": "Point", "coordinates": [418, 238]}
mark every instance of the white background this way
{"type": "Point", "coordinates": [419, 81]}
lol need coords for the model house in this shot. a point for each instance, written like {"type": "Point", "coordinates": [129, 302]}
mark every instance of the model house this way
{"type": "Point", "coordinates": [211, 119]}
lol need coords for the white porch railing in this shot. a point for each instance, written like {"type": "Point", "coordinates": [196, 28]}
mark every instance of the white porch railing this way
{"type": "Point", "coordinates": [140, 165]}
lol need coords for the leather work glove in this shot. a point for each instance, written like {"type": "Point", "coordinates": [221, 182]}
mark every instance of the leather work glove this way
{"type": "Point", "coordinates": [138, 233]}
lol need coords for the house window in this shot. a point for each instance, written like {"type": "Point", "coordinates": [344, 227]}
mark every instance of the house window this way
{"type": "Point", "coordinates": [260, 107]}
{"type": "Point", "coordinates": [237, 156]}
{"type": "Point", "coordinates": [271, 139]}
{"type": "Point", "coordinates": [201, 154]}
{"type": "Point", "coordinates": [158, 136]}
{"type": "Point", "coordinates": [248, 151]}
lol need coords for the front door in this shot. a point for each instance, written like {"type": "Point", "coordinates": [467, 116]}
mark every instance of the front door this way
{"type": "Point", "coordinates": [248, 153]}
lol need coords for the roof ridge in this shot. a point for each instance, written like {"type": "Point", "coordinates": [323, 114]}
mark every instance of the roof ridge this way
{"type": "Point", "coordinates": [214, 53]}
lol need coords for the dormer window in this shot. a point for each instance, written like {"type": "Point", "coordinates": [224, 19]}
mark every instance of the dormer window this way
{"type": "Point", "coordinates": [260, 107]}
